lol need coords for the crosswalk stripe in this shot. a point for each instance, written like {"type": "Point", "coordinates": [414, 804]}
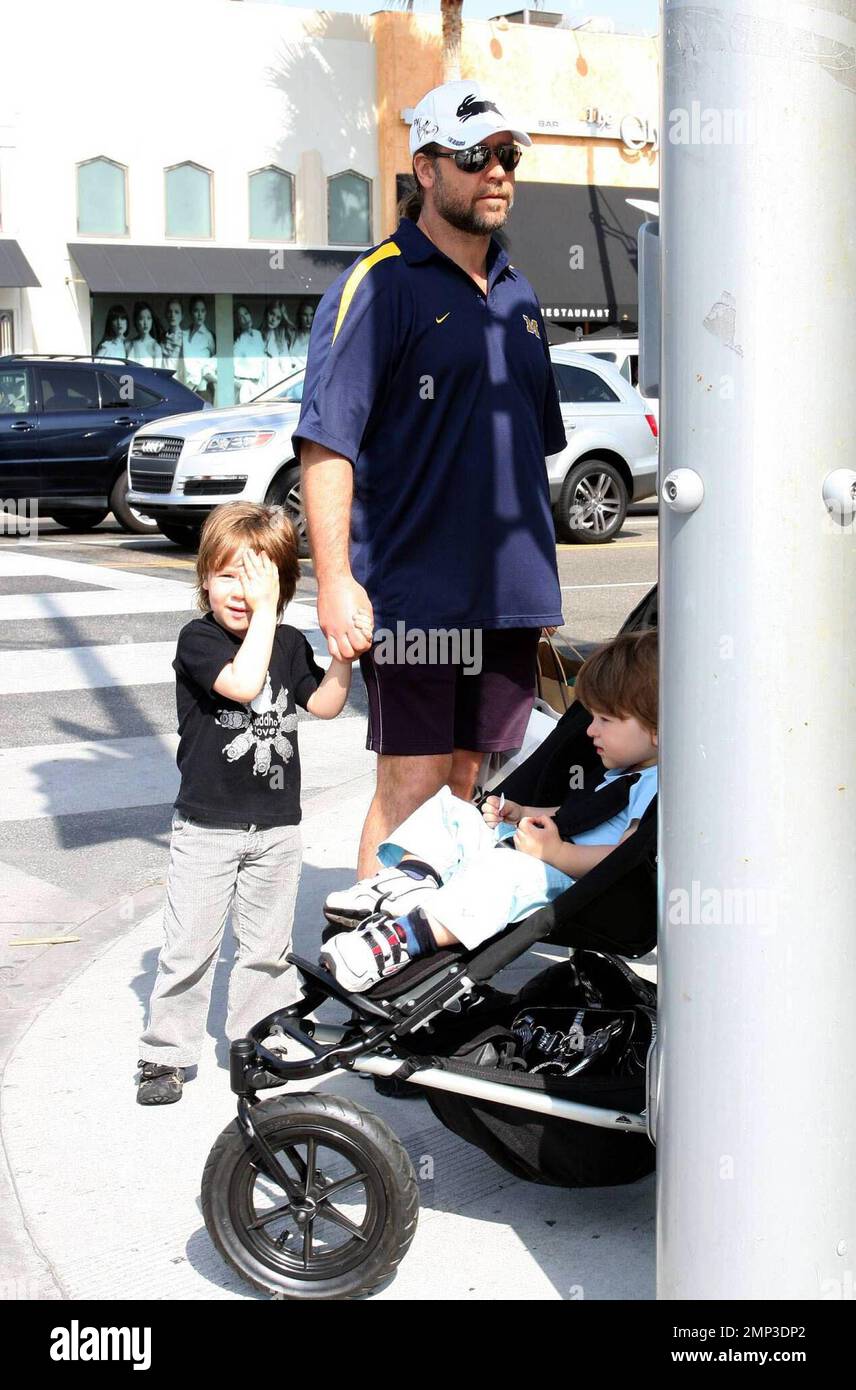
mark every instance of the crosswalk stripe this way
{"type": "Point", "coordinates": [100, 603]}
{"type": "Point", "coordinates": [93, 667]}
{"type": "Point", "coordinates": [121, 773]}
{"type": "Point", "coordinates": [13, 565]}
{"type": "Point", "coordinates": [110, 602]}
{"type": "Point", "coordinates": [86, 668]}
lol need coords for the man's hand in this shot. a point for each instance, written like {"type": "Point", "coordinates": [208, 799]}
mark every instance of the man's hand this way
{"type": "Point", "coordinates": [538, 836]}
{"type": "Point", "coordinates": [259, 581]}
{"type": "Point", "coordinates": [345, 617]}
{"type": "Point", "coordinates": [493, 816]}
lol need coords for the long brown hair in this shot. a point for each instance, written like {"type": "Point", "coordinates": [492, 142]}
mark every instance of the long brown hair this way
{"type": "Point", "coordinates": [247, 524]}
{"type": "Point", "coordinates": [410, 206]}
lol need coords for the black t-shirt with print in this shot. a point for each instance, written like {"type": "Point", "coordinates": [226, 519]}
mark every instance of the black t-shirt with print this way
{"type": "Point", "coordinates": [239, 763]}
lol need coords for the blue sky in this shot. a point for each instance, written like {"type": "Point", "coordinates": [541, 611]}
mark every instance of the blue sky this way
{"type": "Point", "coordinates": [629, 14]}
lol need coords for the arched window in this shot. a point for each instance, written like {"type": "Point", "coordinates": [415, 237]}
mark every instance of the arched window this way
{"type": "Point", "coordinates": [271, 205]}
{"type": "Point", "coordinates": [188, 201]}
{"type": "Point", "coordinates": [349, 209]}
{"type": "Point", "coordinates": [102, 198]}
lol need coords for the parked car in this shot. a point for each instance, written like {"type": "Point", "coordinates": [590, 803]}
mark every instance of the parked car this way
{"type": "Point", "coordinates": [623, 353]}
{"type": "Point", "coordinates": [612, 451]}
{"type": "Point", "coordinates": [182, 468]}
{"type": "Point", "coordinates": [65, 426]}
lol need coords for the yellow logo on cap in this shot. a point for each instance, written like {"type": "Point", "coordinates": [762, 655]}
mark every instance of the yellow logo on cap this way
{"type": "Point", "coordinates": [443, 319]}
{"type": "Point", "coordinates": [532, 325]}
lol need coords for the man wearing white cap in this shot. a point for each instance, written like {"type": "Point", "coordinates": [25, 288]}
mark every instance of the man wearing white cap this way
{"type": "Point", "coordinates": [428, 408]}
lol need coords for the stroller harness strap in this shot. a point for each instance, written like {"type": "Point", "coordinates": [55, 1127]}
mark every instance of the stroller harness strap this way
{"type": "Point", "coordinates": [582, 811]}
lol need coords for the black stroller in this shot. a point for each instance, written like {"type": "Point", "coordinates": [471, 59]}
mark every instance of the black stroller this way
{"type": "Point", "coordinates": [308, 1195]}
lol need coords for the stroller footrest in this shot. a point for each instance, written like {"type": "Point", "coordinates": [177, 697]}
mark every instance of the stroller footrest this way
{"type": "Point", "coordinates": [330, 986]}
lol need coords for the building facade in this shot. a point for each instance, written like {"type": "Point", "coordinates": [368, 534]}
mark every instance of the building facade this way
{"type": "Point", "coordinates": [180, 180]}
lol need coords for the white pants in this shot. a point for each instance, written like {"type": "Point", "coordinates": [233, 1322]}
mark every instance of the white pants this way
{"type": "Point", "coordinates": [485, 886]}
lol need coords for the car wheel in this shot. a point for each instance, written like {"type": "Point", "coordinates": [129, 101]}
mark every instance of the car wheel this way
{"type": "Point", "coordinates": [285, 492]}
{"type": "Point", "coordinates": [127, 516]}
{"type": "Point", "coordinates": [186, 536]}
{"type": "Point", "coordinates": [592, 504]}
{"type": "Point", "coordinates": [78, 521]}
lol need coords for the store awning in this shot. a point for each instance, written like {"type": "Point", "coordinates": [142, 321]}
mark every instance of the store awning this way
{"type": "Point", "coordinates": [576, 243]}
{"type": "Point", "coordinates": [16, 273]}
{"type": "Point", "coordinates": [123, 269]}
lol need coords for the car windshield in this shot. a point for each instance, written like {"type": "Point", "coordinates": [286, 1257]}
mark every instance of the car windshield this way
{"type": "Point", "coordinates": [290, 389]}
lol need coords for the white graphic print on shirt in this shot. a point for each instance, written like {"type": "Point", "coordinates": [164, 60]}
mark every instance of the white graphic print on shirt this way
{"type": "Point", "coordinates": [264, 725]}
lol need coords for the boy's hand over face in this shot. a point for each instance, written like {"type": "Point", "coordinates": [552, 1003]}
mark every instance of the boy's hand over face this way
{"type": "Point", "coordinates": [538, 836]}
{"type": "Point", "coordinates": [259, 581]}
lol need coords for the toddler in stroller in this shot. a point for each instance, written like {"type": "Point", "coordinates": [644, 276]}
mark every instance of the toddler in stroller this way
{"type": "Point", "coordinates": [445, 882]}
{"type": "Point", "coordinates": [310, 1195]}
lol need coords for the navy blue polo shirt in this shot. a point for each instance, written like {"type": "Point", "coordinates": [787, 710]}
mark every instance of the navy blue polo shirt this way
{"type": "Point", "coordinates": [443, 398]}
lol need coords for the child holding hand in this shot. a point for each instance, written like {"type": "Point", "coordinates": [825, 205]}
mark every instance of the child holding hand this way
{"type": "Point", "coordinates": [235, 844]}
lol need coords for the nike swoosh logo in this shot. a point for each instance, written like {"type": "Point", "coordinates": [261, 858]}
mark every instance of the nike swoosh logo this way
{"type": "Point", "coordinates": [443, 319]}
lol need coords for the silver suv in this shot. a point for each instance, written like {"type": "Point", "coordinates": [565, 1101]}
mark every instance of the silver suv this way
{"type": "Point", "coordinates": [611, 456]}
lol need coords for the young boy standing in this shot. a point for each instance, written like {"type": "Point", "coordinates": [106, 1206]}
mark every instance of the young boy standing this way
{"type": "Point", "coordinates": [235, 841]}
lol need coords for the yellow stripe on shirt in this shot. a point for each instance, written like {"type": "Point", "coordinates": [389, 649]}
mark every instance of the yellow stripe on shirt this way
{"type": "Point", "coordinates": [353, 281]}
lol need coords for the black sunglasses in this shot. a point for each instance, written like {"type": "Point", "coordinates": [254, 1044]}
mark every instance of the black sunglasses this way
{"type": "Point", "coordinates": [478, 157]}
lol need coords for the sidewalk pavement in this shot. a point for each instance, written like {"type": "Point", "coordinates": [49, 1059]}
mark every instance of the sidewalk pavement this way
{"type": "Point", "coordinates": [100, 1196]}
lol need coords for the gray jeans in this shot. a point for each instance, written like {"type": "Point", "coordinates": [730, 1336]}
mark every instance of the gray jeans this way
{"type": "Point", "coordinates": [254, 872]}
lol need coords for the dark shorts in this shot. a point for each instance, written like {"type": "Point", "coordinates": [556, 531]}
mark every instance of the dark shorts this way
{"type": "Point", "coordinates": [429, 705]}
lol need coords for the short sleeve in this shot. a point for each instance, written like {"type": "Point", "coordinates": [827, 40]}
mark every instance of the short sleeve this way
{"type": "Point", "coordinates": [202, 652]}
{"type": "Point", "coordinates": [306, 674]}
{"type": "Point", "coordinates": [352, 349]}
{"type": "Point", "coordinates": [553, 425]}
{"type": "Point", "coordinates": [642, 793]}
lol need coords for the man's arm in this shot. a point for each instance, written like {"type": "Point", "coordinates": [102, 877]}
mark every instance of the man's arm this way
{"type": "Point", "coordinates": [327, 485]}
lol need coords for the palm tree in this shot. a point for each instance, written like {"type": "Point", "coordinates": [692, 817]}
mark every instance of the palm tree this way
{"type": "Point", "coordinates": [451, 15]}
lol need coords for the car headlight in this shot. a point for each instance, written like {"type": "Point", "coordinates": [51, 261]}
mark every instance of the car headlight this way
{"type": "Point", "coordinates": [239, 439]}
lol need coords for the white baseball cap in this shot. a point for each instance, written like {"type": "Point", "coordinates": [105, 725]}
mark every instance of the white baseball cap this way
{"type": "Point", "coordinates": [459, 114]}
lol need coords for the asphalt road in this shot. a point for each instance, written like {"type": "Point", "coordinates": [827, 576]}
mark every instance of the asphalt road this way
{"type": "Point", "coordinates": [83, 810]}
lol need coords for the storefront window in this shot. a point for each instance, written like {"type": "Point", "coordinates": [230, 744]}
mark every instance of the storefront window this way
{"type": "Point", "coordinates": [271, 205]}
{"type": "Point", "coordinates": [101, 202]}
{"type": "Point", "coordinates": [349, 221]}
{"type": "Point", "coordinates": [188, 201]}
{"type": "Point", "coordinates": [227, 348]}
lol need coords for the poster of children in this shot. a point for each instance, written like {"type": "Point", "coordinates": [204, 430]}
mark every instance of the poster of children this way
{"type": "Point", "coordinates": [268, 342]}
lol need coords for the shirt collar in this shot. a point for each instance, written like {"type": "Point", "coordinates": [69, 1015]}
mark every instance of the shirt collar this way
{"type": "Point", "coordinates": [614, 772]}
{"type": "Point", "coordinates": [416, 247]}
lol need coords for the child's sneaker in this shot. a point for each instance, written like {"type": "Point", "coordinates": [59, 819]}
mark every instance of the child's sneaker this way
{"type": "Point", "coordinates": [159, 1085]}
{"type": "Point", "coordinates": [358, 959]}
{"type": "Point", "coordinates": [389, 890]}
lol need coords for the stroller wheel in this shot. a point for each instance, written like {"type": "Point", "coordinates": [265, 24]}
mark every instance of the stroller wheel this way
{"type": "Point", "coordinates": [351, 1213]}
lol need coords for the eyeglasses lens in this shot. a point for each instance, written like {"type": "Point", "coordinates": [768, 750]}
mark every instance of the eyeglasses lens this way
{"type": "Point", "coordinates": [477, 158]}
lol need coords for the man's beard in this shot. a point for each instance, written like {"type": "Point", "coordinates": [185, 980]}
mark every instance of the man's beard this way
{"type": "Point", "coordinates": [467, 216]}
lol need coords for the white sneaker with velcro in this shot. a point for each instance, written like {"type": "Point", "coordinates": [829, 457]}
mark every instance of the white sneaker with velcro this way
{"type": "Point", "coordinates": [390, 891]}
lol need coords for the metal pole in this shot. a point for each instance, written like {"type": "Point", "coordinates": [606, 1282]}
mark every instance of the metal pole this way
{"type": "Point", "coordinates": [757, 1115]}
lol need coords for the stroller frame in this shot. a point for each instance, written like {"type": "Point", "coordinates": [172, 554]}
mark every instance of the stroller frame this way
{"type": "Point", "coordinates": [372, 1044]}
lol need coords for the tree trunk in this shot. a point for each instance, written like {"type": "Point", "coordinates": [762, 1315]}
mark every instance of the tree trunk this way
{"type": "Point", "coordinates": [451, 15]}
